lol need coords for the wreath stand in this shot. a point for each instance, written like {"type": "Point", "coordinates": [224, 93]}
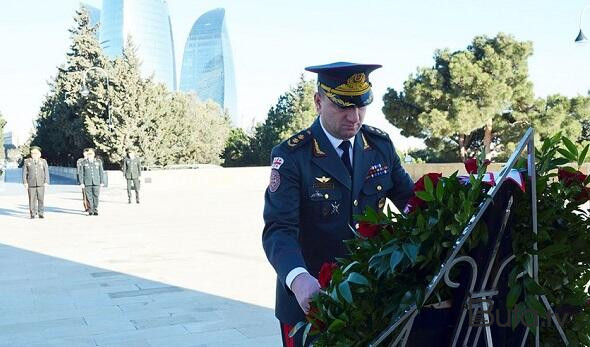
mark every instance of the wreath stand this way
{"type": "Point", "coordinates": [484, 291]}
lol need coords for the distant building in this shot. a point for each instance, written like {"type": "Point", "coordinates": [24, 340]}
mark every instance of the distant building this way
{"type": "Point", "coordinates": [148, 24]}
{"type": "Point", "coordinates": [8, 143]}
{"type": "Point", "coordinates": [8, 138]}
{"type": "Point", "coordinates": [93, 13]}
{"type": "Point", "coordinates": [207, 64]}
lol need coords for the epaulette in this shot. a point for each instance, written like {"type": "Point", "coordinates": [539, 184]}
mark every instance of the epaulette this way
{"type": "Point", "coordinates": [376, 131]}
{"type": "Point", "coordinates": [298, 139]}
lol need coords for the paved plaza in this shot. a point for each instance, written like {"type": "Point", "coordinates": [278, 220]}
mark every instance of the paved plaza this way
{"type": "Point", "coordinates": [183, 268]}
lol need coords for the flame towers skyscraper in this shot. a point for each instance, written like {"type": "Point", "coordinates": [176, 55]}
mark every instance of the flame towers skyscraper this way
{"type": "Point", "coordinates": [147, 22]}
{"type": "Point", "coordinates": [207, 64]}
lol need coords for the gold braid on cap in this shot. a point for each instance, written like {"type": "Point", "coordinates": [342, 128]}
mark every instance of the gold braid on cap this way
{"type": "Point", "coordinates": [356, 85]}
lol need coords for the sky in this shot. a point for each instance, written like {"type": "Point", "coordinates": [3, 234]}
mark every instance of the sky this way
{"type": "Point", "coordinates": [273, 41]}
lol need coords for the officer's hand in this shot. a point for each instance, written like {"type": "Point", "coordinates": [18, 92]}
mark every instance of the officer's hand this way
{"type": "Point", "coordinates": [305, 286]}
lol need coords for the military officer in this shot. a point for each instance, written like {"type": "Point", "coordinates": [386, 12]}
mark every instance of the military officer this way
{"type": "Point", "coordinates": [91, 179]}
{"type": "Point", "coordinates": [131, 167]}
{"type": "Point", "coordinates": [79, 170]}
{"type": "Point", "coordinates": [319, 179]}
{"type": "Point", "coordinates": [35, 179]}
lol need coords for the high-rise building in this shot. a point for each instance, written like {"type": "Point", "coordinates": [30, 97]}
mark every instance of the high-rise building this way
{"type": "Point", "coordinates": [147, 22]}
{"type": "Point", "coordinates": [207, 64]}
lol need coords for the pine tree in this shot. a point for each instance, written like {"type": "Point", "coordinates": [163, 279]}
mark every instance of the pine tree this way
{"type": "Point", "coordinates": [462, 103]}
{"type": "Point", "coordinates": [60, 128]}
{"type": "Point", "coordinates": [2, 124]}
{"type": "Point", "coordinates": [126, 106]}
{"type": "Point", "coordinates": [294, 111]}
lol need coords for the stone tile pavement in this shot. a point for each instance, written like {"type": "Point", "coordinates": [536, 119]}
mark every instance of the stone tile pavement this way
{"type": "Point", "coordinates": [183, 268]}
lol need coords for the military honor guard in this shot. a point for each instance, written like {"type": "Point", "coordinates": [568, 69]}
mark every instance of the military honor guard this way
{"type": "Point", "coordinates": [91, 178]}
{"type": "Point", "coordinates": [131, 167]}
{"type": "Point", "coordinates": [35, 179]}
{"type": "Point", "coordinates": [79, 168]}
{"type": "Point", "coordinates": [320, 178]}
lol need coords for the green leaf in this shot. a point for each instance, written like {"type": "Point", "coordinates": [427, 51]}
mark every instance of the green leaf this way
{"type": "Point", "coordinates": [428, 185]}
{"type": "Point", "coordinates": [357, 278]}
{"type": "Point", "coordinates": [533, 303]}
{"type": "Point", "coordinates": [582, 156]}
{"type": "Point", "coordinates": [296, 328]}
{"type": "Point", "coordinates": [532, 287]}
{"type": "Point", "coordinates": [349, 266]}
{"type": "Point", "coordinates": [371, 215]}
{"type": "Point", "coordinates": [419, 295]}
{"type": "Point", "coordinates": [425, 196]}
{"type": "Point", "coordinates": [306, 332]}
{"type": "Point", "coordinates": [558, 162]}
{"type": "Point", "coordinates": [517, 315]}
{"type": "Point", "coordinates": [411, 251]}
{"type": "Point", "coordinates": [546, 145]}
{"type": "Point", "coordinates": [555, 138]}
{"type": "Point", "coordinates": [568, 155]}
{"type": "Point", "coordinates": [334, 295]}
{"type": "Point", "coordinates": [344, 289]}
{"type": "Point", "coordinates": [336, 324]}
{"type": "Point", "coordinates": [440, 191]}
{"type": "Point", "coordinates": [513, 296]}
{"type": "Point", "coordinates": [396, 258]}
{"type": "Point", "coordinates": [570, 146]}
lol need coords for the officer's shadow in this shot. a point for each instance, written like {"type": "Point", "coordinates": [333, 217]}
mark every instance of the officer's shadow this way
{"type": "Point", "coordinates": [14, 213]}
{"type": "Point", "coordinates": [52, 209]}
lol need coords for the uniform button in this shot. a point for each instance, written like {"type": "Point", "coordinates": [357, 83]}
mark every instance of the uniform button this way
{"type": "Point", "coordinates": [356, 203]}
{"type": "Point", "coordinates": [379, 188]}
{"type": "Point", "coordinates": [327, 196]}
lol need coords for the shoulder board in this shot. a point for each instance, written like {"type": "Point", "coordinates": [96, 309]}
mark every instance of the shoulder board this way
{"type": "Point", "coordinates": [376, 131]}
{"type": "Point", "coordinates": [298, 140]}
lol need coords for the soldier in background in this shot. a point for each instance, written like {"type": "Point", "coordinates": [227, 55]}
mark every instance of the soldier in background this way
{"type": "Point", "coordinates": [35, 179]}
{"type": "Point", "coordinates": [91, 179]}
{"type": "Point", "coordinates": [131, 167]}
{"type": "Point", "coordinates": [79, 168]}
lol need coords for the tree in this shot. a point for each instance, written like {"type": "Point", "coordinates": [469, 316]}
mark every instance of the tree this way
{"type": "Point", "coordinates": [205, 129]}
{"type": "Point", "coordinates": [126, 103]}
{"type": "Point", "coordinates": [2, 124]}
{"type": "Point", "coordinates": [238, 151]}
{"type": "Point", "coordinates": [466, 98]}
{"type": "Point", "coordinates": [164, 128]}
{"type": "Point", "coordinates": [293, 112]}
{"type": "Point", "coordinates": [60, 128]}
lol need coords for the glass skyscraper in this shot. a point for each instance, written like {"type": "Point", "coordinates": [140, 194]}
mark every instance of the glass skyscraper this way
{"type": "Point", "coordinates": [148, 24]}
{"type": "Point", "coordinates": [93, 14]}
{"type": "Point", "coordinates": [207, 64]}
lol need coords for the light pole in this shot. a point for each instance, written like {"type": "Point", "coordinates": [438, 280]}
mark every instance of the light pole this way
{"type": "Point", "coordinates": [85, 92]}
{"type": "Point", "coordinates": [581, 38]}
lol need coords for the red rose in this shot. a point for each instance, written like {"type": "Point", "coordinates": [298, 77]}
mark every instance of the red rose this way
{"type": "Point", "coordinates": [568, 178]}
{"type": "Point", "coordinates": [326, 274]}
{"type": "Point", "coordinates": [413, 203]}
{"type": "Point", "coordinates": [584, 195]}
{"type": "Point", "coordinates": [419, 186]}
{"type": "Point", "coordinates": [471, 165]}
{"type": "Point", "coordinates": [368, 230]}
{"type": "Point", "coordinates": [434, 177]}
